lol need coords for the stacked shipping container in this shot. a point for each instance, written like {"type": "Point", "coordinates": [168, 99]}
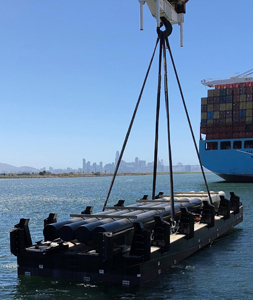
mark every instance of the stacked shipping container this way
{"type": "Point", "coordinates": [227, 112]}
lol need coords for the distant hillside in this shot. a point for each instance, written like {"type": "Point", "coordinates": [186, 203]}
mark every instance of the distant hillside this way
{"type": "Point", "coordinates": [5, 168]}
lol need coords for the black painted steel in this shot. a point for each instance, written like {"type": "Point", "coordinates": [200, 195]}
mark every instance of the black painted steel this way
{"type": "Point", "coordinates": [20, 237]}
{"type": "Point", "coordinates": [208, 214]}
{"type": "Point", "coordinates": [67, 232]}
{"type": "Point", "coordinates": [83, 232]}
{"type": "Point", "coordinates": [52, 218]}
{"type": "Point", "coordinates": [51, 231]}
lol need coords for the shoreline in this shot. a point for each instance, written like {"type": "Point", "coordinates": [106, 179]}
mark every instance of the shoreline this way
{"type": "Point", "coordinates": [75, 175]}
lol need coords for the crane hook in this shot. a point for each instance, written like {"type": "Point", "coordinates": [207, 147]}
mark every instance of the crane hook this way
{"type": "Point", "coordinates": [168, 28]}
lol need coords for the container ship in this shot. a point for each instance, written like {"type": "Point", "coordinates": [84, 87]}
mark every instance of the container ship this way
{"type": "Point", "coordinates": [226, 130]}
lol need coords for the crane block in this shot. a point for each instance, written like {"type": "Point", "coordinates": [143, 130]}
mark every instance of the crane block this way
{"type": "Point", "coordinates": [172, 10]}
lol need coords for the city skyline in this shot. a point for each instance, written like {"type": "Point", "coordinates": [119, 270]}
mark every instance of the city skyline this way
{"type": "Point", "coordinates": [136, 166]}
{"type": "Point", "coordinates": [69, 88]}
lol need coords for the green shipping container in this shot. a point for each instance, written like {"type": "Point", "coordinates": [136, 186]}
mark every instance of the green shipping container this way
{"type": "Point", "coordinates": [248, 112]}
{"type": "Point", "coordinates": [229, 106]}
{"type": "Point", "coordinates": [216, 107]}
{"type": "Point", "coordinates": [210, 93]}
{"type": "Point", "coordinates": [222, 107]}
{"type": "Point", "coordinates": [216, 115]}
{"type": "Point", "coordinates": [204, 101]}
{"type": "Point", "coordinates": [229, 121]}
{"type": "Point", "coordinates": [203, 116]}
{"type": "Point", "coordinates": [249, 105]}
{"type": "Point", "coordinates": [243, 98]}
{"type": "Point", "coordinates": [209, 122]}
{"type": "Point", "coordinates": [210, 107]}
{"type": "Point", "coordinates": [248, 120]}
{"type": "Point", "coordinates": [216, 93]}
{"type": "Point", "coordinates": [243, 105]}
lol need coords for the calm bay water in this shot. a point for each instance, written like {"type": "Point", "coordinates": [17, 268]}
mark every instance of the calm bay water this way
{"type": "Point", "coordinates": [222, 271]}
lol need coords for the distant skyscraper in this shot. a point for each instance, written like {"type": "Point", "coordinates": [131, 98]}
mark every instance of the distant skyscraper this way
{"type": "Point", "coordinates": [88, 167]}
{"type": "Point", "coordinates": [84, 165]}
{"type": "Point", "coordinates": [116, 158]}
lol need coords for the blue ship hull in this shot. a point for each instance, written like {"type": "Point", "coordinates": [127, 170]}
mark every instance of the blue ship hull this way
{"type": "Point", "coordinates": [232, 164]}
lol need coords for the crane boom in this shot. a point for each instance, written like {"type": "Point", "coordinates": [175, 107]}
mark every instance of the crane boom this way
{"type": "Point", "coordinates": [172, 10]}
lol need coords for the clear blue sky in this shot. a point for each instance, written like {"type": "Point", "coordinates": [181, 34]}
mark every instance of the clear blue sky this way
{"type": "Point", "coordinates": [71, 72]}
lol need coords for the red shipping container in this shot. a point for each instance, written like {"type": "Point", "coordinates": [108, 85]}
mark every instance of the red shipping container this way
{"type": "Point", "coordinates": [235, 135]}
{"type": "Point", "coordinates": [242, 135]}
{"type": "Point", "coordinates": [223, 86]}
{"type": "Point", "coordinates": [222, 135]}
{"type": "Point", "coordinates": [236, 98]}
{"type": "Point", "coordinates": [228, 135]}
{"type": "Point", "coordinates": [216, 136]}
{"type": "Point", "coordinates": [217, 87]}
{"type": "Point", "coordinates": [209, 130]}
{"type": "Point", "coordinates": [222, 129]}
{"type": "Point", "coordinates": [235, 85]}
{"type": "Point", "coordinates": [249, 134]}
{"type": "Point", "coordinates": [203, 130]}
{"type": "Point", "coordinates": [236, 91]}
{"type": "Point", "coordinates": [242, 128]}
{"type": "Point", "coordinates": [209, 136]}
{"type": "Point", "coordinates": [216, 107]}
{"type": "Point", "coordinates": [228, 129]}
{"type": "Point", "coordinates": [229, 86]}
{"type": "Point", "coordinates": [242, 84]}
{"type": "Point", "coordinates": [235, 128]}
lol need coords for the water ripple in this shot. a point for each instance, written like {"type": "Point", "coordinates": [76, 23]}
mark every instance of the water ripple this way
{"type": "Point", "coordinates": [225, 270]}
